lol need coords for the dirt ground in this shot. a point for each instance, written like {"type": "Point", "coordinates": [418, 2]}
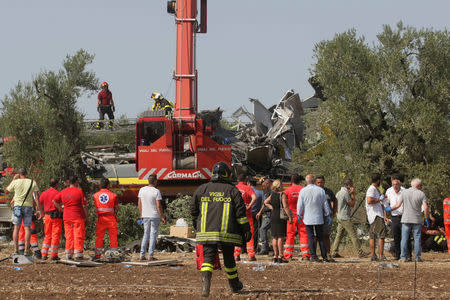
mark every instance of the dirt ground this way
{"type": "Point", "coordinates": [348, 278]}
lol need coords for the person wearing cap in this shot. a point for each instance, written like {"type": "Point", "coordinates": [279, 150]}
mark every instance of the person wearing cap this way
{"type": "Point", "coordinates": [105, 105]}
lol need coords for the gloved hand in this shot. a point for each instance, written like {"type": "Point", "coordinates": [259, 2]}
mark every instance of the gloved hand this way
{"type": "Point", "coordinates": [140, 222]}
{"type": "Point", "coordinates": [299, 218]}
{"type": "Point", "coordinates": [329, 220]}
{"type": "Point", "coordinates": [247, 236]}
{"type": "Point", "coordinates": [388, 208]}
{"type": "Point", "coordinates": [113, 108]}
{"type": "Point", "coordinates": [427, 222]}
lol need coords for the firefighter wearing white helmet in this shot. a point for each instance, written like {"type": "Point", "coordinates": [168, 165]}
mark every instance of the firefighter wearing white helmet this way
{"type": "Point", "coordinates": [161, 103]}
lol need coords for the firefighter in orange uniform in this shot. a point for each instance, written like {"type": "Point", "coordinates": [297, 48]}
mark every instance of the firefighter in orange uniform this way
{"type": "Point", "coordinates": [447, 221]}
{"type": "Point", "coordinates": [52, 221]}
{"type": "Point", "coordinates": [106, 205]}
{"type": "Point", "coordinates": [292, 196]}
{"type": "Point", "coordinates": [249, 197]}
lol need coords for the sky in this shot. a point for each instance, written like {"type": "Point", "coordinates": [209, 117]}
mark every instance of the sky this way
{"type": "Point", "coordinates": [253, 48]}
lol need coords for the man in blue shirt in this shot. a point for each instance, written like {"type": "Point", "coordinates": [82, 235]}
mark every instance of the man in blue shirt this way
{"type": "Point", "coordinates": [260, 197]}
{"type": "Point", "coordinates": [312, 206]}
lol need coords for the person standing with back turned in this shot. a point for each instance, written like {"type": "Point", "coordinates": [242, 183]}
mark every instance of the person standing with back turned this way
{"type": "Point", "coordinates": [220, 219]}
{"type": "Point", "coordinates": [25, 190]}
{"type": "Point", "coordinates": [313, 208]}
{"type": "Point", "coordinates": [413, 199]}
{"type": "Point", "coordinates": [106, 206]}
{"type": "Point", "coordinates": [151, 210]}
{"type": "Point", "coordinates": [292, 194]}
{"type": "Point", "coordinates": [75, 216]}
{"type": "Point", "coordinates": [52, 221]}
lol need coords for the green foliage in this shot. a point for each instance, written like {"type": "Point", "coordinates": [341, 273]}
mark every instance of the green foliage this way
{"type": "Point", "coordinates": [45, 123]}
{"type": "Point", "coordinates": [228, 125]}
{"type": "Point", "coordinates": [129, 230]}
{"type": "Point", "coordinates": [178, 208]}
{"type": "Point", "coordinates": [387, 110]}
{"type": "Point", "coordinates": [114, 137]}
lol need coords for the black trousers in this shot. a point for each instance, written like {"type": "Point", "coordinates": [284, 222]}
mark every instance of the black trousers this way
{"type": "Point", "coordinates": [396, 228]}
{"type": "Point", "coordinates": [106, 110]}
{"type": "Point", "coordinates": [209, 255]}
{"type": "Point", "coordinates": [316, 231]}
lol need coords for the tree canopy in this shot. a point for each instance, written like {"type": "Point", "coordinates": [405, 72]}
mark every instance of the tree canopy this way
{"type": "Point", "coordinates": [387, 109]}
{"type": "Point", "coordinates": [43, 122]}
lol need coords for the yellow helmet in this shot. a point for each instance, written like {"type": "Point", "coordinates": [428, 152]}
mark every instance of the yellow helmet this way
{"type": "Point", "coordinates": [156, 96]}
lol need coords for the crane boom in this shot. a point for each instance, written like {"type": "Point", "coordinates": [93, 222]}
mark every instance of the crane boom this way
{"type": "Point", "coordinates": [180, 147]}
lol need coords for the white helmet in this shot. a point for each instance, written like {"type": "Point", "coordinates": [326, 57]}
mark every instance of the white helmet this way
{"type": "Point", "coordinates": [156, 96]}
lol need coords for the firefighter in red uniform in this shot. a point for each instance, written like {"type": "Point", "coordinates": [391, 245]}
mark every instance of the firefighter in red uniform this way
{"type": "Point", "coordinates": [106, 206]}
{"type": "Point", "coordinates": [249, 197]}
{"type": "Point", "coordinates": [52, 221]}
{"type": "Point", "coordinates": [105, 105]}
{"type": "Point", "coordinates": [447, 221]}
{"type": "Point", "coordinates": [291, 194]}
{"type": "Point", "coordinates": [74, 216]}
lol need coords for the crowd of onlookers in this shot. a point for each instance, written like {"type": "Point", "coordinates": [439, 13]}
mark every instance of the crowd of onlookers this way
{"type": "Point", "coordinates": [66, 211]}
{"type": "Point", "coordinates": [310, 211]}
{"type": "Point", "coordinates": [306, 211]}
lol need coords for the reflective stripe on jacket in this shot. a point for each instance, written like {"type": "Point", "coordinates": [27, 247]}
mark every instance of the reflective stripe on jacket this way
{"type": "Point", "coordinates": [219, 213]}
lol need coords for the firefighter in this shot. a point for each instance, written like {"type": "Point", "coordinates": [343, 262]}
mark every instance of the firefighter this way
{"type": "Point", "coordinates": [105, 105]}
{"type": "Point", "coordinates": [161, 103]}
{"type": "Point", "coordinates": [75, 217]}
{"type": "Point", "coordinates": [34, 245]}
{"type": "Point", "coordinates": [52, 221]}
{"type": "Point", "coordinates": [106, 206]}
{"type": "Point", "coordinates": [446, 208]}
{"type": "Point", "coordinates": [291, 194]}
{"type": "Point", "coordinates": [219, 216]}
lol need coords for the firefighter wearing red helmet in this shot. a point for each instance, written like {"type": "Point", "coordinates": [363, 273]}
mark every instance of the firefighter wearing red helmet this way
{"type": "Point", "coordinates": [105, 105]}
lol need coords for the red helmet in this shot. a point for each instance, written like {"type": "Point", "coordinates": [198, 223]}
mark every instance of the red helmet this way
{"type": "Point", "coordinates": [104, 83]}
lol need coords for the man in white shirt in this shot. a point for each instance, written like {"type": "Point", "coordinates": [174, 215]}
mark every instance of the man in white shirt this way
{"type": "Point", "coordinates": [150, 208]}
{"type": "Point", "coordinates": [413, 200]}
{"type": "Point", "coordinates": [376, 217]}
{"type": "Point", "coordinates": [392, 197]}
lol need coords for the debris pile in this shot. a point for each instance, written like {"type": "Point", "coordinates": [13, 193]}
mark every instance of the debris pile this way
{"type": "Point", "coordinates": [262, 141]}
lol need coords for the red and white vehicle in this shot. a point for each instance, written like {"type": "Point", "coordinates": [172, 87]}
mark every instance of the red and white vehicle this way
{"type": "Point", "coordinates": [179, 147]}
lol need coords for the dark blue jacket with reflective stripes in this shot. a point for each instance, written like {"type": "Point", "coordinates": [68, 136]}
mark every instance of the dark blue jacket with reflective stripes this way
{"type": "Point", "coordinates": [219, 214]}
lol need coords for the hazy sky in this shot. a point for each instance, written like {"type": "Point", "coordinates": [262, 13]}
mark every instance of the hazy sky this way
{"type": "Point", "coordinates": [253, 48]}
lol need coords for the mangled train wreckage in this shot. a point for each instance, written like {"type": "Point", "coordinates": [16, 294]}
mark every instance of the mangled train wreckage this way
{"type": "Point", "coordinates": [262, 144]}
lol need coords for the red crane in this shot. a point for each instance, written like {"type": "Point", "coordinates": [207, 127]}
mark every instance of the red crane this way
{"type": "Point", "coordinates": [179, 147]}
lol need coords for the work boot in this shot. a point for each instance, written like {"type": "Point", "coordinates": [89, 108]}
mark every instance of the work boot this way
{"type": "Point", "coordinates": [28, 252]}
{"type": "Point", "coordinates": [206, 283]}
{"type": "Point", "coordinates": [21, 252]}
{"type": "Point", "coordinates": [55, 258]}
{"type": "Point", "coordinates": [235, 285]}
{"type": "Point", "coordinates": [38, 254]}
